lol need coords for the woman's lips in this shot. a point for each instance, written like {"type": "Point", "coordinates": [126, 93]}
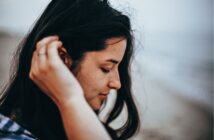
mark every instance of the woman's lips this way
{"type": "Point", "coordinates": [102, 96]}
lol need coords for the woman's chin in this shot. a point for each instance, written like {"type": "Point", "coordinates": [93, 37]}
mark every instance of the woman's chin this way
{"type": "Point", "coordinates": [96, 104]}
{"type": "Point", "coordinates": [96, 108]}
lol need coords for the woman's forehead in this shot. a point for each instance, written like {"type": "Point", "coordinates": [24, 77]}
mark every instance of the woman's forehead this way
{"type": "Point", "coordinates": [113, 51]}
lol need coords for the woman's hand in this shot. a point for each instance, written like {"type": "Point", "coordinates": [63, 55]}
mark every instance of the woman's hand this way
{"type": "Point", "coordinates": [50, 73]}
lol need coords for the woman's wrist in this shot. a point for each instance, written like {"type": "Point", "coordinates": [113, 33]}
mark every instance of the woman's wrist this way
{"type": "Point", "coordinates": [73, 113]}
{"type": "Point", "coordinates": [66, 102]}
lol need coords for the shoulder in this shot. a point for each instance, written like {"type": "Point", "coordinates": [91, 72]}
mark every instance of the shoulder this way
{"type": "Point", "coordinates": [10, 130]}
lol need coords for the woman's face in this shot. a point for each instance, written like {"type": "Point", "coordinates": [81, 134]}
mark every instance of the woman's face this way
{"type": "Point", "coordinates": [98, 71]}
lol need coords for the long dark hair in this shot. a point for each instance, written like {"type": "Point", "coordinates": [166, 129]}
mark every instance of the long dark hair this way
{"type": "Point", "coordinates": [82, 26]}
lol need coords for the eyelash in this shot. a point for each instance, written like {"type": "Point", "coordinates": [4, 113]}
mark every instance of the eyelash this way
{"type": "Point", "coordinates": [105, 70]}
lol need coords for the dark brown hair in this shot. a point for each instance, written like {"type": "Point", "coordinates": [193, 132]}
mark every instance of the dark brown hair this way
{"type": "Point", "coordinates": [82, 26]}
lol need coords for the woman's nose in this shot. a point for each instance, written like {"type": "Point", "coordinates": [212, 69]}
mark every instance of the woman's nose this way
{"type": "Point", "coordinates": [114, 82]}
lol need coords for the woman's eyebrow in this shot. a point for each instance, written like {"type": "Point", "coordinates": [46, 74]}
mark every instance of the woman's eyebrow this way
{"type": "Point", "coordinates": [112, 61]}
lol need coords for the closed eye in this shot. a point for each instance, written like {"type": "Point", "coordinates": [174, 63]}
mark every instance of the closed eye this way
{"type": "Point", "coordinates": [105, 70]}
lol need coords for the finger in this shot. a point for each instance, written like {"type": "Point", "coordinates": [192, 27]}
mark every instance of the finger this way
{"type": "Point", "coordinates": [42, 58]}
{"type": "Point", "coordinates": [33, 67]}
{"type": "Point", "coordinates": [41, 49]}
{"type": "Point", "coordinates": [52, 50]}
{"type": "Point", "coordinates": [45, 41]}
{"type": "Point", "coordinates": [33, 58]}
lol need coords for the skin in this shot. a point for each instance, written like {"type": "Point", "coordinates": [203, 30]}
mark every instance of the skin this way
{"type": "Point", "coordinates": [79, 94]}
{"type": "Point", "coordinates": [98, 72]}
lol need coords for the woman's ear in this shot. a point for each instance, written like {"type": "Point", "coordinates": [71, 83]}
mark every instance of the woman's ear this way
{"type": "Point", "coordinates": [65, 57]}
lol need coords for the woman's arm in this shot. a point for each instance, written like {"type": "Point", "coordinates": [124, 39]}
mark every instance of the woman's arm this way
{"type": "Point", "coordinates": [55, 79]}
{"type": "Point", "coordinates": [80, 122]}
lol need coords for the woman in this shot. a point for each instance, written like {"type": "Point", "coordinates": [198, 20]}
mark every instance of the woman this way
{"type": "Point", "coordinates": [76, 53]}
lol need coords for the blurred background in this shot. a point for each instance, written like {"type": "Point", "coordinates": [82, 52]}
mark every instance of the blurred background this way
{"type": "Point", "coordinates": [172, 68]}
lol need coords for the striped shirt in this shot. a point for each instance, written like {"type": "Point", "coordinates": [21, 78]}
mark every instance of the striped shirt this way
{"type": "Point", "coordinates": [10, 130]}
